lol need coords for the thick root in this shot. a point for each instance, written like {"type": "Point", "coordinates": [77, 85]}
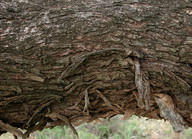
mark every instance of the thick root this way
{"type": "Point", "coordinates": [168, 111]}
{"type": "Point", "coordinates": [143, 87]}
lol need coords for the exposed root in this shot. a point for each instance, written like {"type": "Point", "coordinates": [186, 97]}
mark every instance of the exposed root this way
{"type": "Point", "coordinates": [168, 112]}
{"type": "Point", "coordinates": [104, 98]}
{"type": "Point", "coordinates": [40, 126]}
{"type": "Point", "coordinates": [63, 118]}
{"type": "Point", "coordinates": [143, 87]}
{"type": "Point", "coordinates": [146, 94]}
{"type": "Point", "coordinates": [55, 123]}
{"type": "Point", "coordinates": [120, 108]}
{"type": "Point", "coordinates": [72, 69]}
{"type": "Point", "coordinates": [184, 85]}
{"type": "Point", "coordinates": [81, 59]}
{"type": "Point", "coordinates": [16, 132]}
{"type": "Point", "coordinates": [87, 103]}
{"type": "Point", "coordinates": [84, 102]}
{"type": "Point", "coordinates": [82, 119]}
{"type": "Point", "coordinates": [38, 111]}
{"type": "Point", "coordinates": [82, 94]}
{"type": "Point", "coordinates": [128, 114]}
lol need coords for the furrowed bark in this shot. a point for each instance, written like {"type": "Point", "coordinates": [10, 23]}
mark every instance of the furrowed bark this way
{"type": "Point", "coordinates": [91, 59]}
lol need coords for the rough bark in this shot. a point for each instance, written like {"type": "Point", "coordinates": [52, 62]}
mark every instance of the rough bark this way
{"type": "Point", "coordinates": [74, 61]}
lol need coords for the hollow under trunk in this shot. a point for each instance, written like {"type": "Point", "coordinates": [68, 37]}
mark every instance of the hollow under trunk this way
{"type": "Point", "coordinates": [69, 61]}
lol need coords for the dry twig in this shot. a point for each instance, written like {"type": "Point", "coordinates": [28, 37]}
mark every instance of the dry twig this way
{"type": "Point", "coordinates": [11, 129]}
{"type": "Point", "coordinates": [56, 116]}
{"type": "Point", "coordinates": [104, 98]}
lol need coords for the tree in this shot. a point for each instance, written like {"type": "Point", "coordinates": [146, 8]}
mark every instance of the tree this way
{"type": "Point", "coordinates": [69, 61]}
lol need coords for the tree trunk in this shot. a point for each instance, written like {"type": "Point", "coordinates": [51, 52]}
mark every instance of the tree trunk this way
{"type": "Point", "coordinates": [74, 61]}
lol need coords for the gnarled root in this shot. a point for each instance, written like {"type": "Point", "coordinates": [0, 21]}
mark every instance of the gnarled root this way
{"type": "Point", "coordinates": [168, 111]}
{"type": "Point", "coordinates": [16, 132]}
{"type": "Point", "coordinates": [143, 87]}
{"type": "Point", "coordinates": [55, 116]}
{"type": "Point", "coordinates": [87, 103]}
{"type": "Point", "coordinates": [104, 98]}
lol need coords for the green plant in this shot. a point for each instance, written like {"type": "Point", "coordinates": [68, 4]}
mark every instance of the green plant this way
{"type": "Point", "coordinates": [85, 134]}
{"type": "Point", "coordinates": [104, 131]}
{"type": "Point", "coordinates": [135, 127]}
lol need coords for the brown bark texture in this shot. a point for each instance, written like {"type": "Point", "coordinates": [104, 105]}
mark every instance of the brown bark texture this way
{"type": "Point", "coordinates": [66, 62]}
